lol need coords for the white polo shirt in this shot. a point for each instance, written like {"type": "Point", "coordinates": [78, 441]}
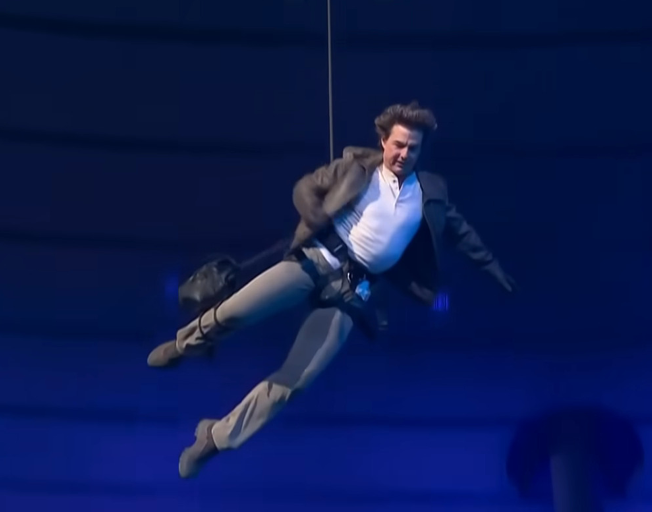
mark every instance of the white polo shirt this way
{"type": "Point", "coordinates": [381, 223]}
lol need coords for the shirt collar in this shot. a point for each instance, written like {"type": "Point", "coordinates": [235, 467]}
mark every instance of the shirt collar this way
{"type": "Point", "coordinates": [388, 175]}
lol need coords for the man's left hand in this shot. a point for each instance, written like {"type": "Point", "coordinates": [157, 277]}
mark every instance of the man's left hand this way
{"type": "Point", "coordinates": [508, 283]}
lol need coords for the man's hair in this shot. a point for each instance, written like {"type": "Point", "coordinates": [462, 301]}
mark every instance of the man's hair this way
{"type": "Point", "coordinates": [412, 116]}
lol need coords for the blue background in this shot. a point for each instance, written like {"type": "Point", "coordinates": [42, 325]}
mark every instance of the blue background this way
{"type": "Point", "coordinates": [136, 137]}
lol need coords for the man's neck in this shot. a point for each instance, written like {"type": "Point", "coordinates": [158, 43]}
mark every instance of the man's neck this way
{"type": "Point", "coordinates": [401, 177]}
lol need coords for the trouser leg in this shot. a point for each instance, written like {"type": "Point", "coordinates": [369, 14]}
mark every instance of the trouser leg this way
{"type": "Point", "coordinates": [282, 286]}
{"type": "Point", "coordinates": [320, 338]}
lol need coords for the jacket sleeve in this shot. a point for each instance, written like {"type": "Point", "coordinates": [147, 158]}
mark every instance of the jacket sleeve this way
{"type": "Point", "coordinates": [462, 235]}
{"type": "Point", "coordinates": [309, 192]}
{"type": "Point", "coordinates": [466, 240]}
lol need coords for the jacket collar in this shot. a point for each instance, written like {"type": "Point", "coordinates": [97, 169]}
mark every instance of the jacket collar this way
{"type": "Point", "coordinates": [368, 158]}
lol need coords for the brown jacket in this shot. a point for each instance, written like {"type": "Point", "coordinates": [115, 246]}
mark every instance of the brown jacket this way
{"type": "Point", "coordinates": [322, 194]}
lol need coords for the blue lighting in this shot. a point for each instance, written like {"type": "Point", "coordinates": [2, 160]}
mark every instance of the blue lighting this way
{"type": "Point", "coordinates": [172, 288]}
{"type": "Point", "coordinates": [441, 302]}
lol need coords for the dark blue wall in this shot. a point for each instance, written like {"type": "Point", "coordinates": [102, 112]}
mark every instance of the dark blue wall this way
{"type": "Point", "coordinates": [135, 137]}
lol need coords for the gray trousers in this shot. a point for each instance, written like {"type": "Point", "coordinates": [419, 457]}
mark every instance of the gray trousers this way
{"type": "Point", "coordinates": [321, 336]}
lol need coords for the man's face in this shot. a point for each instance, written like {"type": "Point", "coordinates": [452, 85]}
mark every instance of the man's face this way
{"type": "Point", "coordinates": [401, 149]}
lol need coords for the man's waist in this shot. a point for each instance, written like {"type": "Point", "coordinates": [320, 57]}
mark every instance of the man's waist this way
{"type": "Point", "coordinates": [333, 243]}
{"type": "Point", "coordinates": [355, 273]}
{"type": "Point", "coordinates": [376, 256]}
{"type": "Point", "coordinates": [340, 254]}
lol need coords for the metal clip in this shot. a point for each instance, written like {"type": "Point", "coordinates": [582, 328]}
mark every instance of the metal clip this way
{"type": "Point", "coordinates": [363, 290]}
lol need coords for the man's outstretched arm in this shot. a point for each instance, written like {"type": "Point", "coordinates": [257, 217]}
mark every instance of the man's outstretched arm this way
{"type": "Point", "coordinates": [462, 235]}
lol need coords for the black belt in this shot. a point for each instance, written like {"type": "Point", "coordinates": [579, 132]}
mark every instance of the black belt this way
{"type": "Point", "coordinates": [356, 272]}
{"type": "Point", "coordinates": [335, 245]}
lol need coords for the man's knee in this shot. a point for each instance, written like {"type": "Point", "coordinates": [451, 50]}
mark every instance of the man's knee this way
{"type": "Point", "coordinates": [233, 313]}
{"type": "Point", "coordinates": [226, 317]}
{"type": "Point", "coordinates": [293, 380]}
{"type": "Point", "coordinates": [283, 378]}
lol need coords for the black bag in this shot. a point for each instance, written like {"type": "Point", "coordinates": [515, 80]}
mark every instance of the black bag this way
{"type": "Point", "coordinates": [212, 283]}
{"type": "Point", "coordinates": [222, 276]}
